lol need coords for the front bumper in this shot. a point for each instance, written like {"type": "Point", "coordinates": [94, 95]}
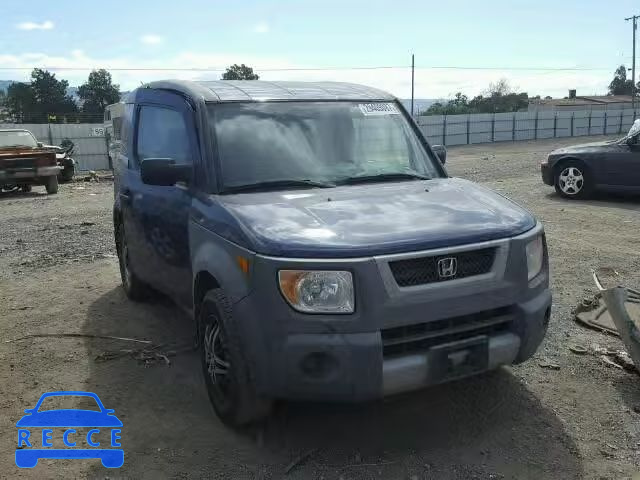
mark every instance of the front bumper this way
{"type": "Point", "coordinates": [482, 322]}
{"type": "Point", "coordinates": [352, 367]}
{"type": "Point", "coordinates": [17, 175]}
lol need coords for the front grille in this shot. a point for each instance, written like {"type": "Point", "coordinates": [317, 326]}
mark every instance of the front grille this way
{"type": "Point", "coordinates": [423, 270]}
{"type": "Point", "coordinates": [422, 336]}
{"type": "Point", "coordinates": [16, 163]}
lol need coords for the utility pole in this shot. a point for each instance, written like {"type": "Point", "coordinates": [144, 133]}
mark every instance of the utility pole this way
{"type": "Point", "coordinates": [413, 67]}
{"type": "Point", "coordinates": [633, 61]}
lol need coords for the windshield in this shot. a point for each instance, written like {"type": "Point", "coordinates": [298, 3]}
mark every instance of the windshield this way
{"type": "Point", "coordinates": [316, 142]}
{"type": "Point", "coordinates": [19, 138]}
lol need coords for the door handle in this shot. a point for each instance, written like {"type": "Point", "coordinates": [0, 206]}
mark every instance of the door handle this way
{"type": "Point", "coordinates": [125, 195]}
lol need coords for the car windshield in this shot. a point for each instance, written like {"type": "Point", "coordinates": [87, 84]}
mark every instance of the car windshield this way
{"type": "Point", "coordinates": [314, 144]}
{"type": "Point", "coordinates": [67, 402]}
{"type": "Point", "coordinates": [17, 138]}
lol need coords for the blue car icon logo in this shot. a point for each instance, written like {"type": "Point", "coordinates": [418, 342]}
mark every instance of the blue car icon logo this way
{"type": "Point", "coordinates": [39, 424]}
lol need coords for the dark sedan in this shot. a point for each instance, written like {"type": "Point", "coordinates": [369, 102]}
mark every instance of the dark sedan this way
{"type": "Point", "coordinates": [579, 170]}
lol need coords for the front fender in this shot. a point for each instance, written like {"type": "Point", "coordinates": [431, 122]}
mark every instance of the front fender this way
{"type": "Point", "coordinates": [220, 258]}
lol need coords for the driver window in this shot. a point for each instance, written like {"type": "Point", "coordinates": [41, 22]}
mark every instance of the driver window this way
{"type": "Point", "coordinates": [162, 133]}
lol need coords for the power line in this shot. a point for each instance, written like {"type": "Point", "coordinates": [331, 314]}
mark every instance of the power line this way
{"type": "Point", "coordinates": [308, 69]}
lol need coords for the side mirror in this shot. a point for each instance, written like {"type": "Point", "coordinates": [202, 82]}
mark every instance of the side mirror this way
{"type": "Point", "coordinates": [164, 172]}
{"type": "Point", "coordinates": [441, 152]}
{"type": "Point", "coordinates": [40, 144]}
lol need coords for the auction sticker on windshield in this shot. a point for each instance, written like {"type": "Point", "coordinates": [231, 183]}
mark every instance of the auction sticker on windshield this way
{"type": "Point", "coordinates": [368, 109]}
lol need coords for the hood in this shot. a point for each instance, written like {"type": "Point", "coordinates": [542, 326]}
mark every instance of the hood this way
{"type": "Point", "coordinates": [374, 219]}
{"type": "Point", "coordinates": [24, 153]}
{"type": "Point", "coordinates": [595, 147]}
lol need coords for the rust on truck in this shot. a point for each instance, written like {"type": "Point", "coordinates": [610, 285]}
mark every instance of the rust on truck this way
{"type": "Point", "coordinates": [25, 162]}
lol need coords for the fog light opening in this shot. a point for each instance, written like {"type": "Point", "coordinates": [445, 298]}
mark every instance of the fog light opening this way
{"type": "Point", "coordinates": [318, 365]}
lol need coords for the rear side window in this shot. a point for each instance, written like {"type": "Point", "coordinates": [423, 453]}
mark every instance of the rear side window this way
{"type": "Point", "coordinates": [162, 133]}
{"type": "Point", "coordinates": [127, 130]}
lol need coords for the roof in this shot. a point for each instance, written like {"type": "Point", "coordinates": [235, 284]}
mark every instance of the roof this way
{"type": "Point", "coordinates": [260, 90]}
{"type": "Point", "coordinates": [581, 100]}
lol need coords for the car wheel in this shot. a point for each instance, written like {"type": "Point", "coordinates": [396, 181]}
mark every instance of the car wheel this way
{"type": "Point", "coordinates": [226, 372]}
{"type": "Point", "coordinates": [67, 173]}
{"type": "Point", "coordinates": [52, 185]}
{"type": "Point", "coordinates": [25, 188]}
{"type": "Point", "coordinates": [573, 180]}
{"type": "Point", "coordinates": [134, 288]}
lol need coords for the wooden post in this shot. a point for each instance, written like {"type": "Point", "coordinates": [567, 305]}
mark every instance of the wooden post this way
{"type": "Point", "coordinates": [444, 131]}
{"type": "Point", "coordinates": [493, 128]}
{"type": "Point", "coordinates": [468, 124]}
{"type": "Point", "coordinates": [513, 127]}
{"type": "Point", "coordinates": [620, 125]}
{"type": "Point", "coordinates": [572, 115]}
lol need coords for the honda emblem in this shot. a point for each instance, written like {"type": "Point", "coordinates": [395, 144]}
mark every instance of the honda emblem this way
{"type": "Point", "coordinates": [447, 267]}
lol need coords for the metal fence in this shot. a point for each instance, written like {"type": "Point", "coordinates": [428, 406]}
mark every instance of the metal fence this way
{"type": "Point", "coordinates": [500, 127]}
{"type": "Point", "coordinates": [90, 149]}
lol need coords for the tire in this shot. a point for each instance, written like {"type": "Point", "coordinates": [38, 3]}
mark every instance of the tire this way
{"type": "Point", "coordinates": [67, 173]}
{"type": "Point", "coordinates": [230, 386]}
{"type": "Point", "coordinates": [25, 188]}
{"type": "Point", "coordinates": [133, 287]}
{"type": "Point", "coordinates": [52, 185]}
{"type": "Point", "coordinates": [572, 179]}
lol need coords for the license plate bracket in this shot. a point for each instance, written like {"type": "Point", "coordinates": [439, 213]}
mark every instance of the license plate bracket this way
{"type": "Point", "coordinates": [459, 359]}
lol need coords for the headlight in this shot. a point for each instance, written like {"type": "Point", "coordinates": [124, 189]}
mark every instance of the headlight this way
{"type": "Point", "coordinates": [317, 291]}
{"type": "Point", "coordinates": [535, 256]}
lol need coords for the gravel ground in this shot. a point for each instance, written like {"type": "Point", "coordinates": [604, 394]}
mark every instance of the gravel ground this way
{"type": "Point", "coordinates": [58, 274]}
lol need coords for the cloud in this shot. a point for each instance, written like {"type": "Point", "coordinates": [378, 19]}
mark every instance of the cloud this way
{"type": "Point", "coordinates": [46, 25]}
{"type": "Point", "coordinates": [151, 39]}
{"type": "Point", "coordinates": [261, 27]}
{"type": "Point", "coordinates": [429, 83]}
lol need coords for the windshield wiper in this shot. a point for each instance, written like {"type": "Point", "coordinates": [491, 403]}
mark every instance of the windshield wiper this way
{"type": "Point", "coordinates": [276, 184]}
{"type": "Point", "coordinates": [381, 177]}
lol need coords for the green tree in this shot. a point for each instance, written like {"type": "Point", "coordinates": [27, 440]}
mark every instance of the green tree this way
{"type": "Point", "coordinates": [458, 105]}
{"type": "Point", "coordinates": [499, 97]}
{"type": "Point", "coordinates": [44, 99]}
{"type": "Point", "coordinates": [52, 102]}
{"type": "Point", "coordinates": [98, 92]}
{"type": "Point", "coordinates": [620, 85]}
{"type": "Point", "coordinates": [239, 72]}
{"type": "Point", "coordinates": [3, 106]}
{"type": "Point", "coordinates": [20, 102]}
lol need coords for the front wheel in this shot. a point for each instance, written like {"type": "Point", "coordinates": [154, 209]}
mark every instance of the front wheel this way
{"type": "Point", "coordinates": [224, 365]}
{"type": "Point", "coordinates": [572, 180]}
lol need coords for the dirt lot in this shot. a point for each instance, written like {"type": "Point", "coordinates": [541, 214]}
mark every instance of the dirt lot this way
{"type": "Point", "coordinates": [58, 274]}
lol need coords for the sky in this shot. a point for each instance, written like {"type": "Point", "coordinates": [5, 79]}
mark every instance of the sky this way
{"type": "Point", "coordinates": [542, 47]}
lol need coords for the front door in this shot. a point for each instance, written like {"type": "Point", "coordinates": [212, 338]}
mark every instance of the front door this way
{"type": "Point", "coordinates": [621, 167]}
{"type": "Point", "coordinates": [164, 129]}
